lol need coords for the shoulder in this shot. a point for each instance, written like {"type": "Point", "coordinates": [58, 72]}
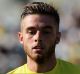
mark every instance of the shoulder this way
{"type": "Point", "coordinates": [18, 70]}
{"type": "Point", "coordinates": [66, 63]}
{"type": "Point", "coordinates": [69, 67]}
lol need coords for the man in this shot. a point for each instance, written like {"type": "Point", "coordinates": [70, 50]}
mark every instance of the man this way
{"type": "Point", "coordinates": [39, 36]}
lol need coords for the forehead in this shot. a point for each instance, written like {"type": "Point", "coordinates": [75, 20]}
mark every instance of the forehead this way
{"type": "Point", "coordinates": [37, 20]}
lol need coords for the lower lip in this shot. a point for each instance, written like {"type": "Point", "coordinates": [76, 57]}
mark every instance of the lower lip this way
{"type": "Point", "coordinates": [37, 50]}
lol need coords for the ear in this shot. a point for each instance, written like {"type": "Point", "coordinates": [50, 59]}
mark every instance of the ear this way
{"type": "Point", "coordinates": [20, 37]}
{"type": "Point", "coordinates": [58, 37]}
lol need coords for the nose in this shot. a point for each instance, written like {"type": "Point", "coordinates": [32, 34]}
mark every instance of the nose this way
{"type": "Point", "coordinates": [37, 37]}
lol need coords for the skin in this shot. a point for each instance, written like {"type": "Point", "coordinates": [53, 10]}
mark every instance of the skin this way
{"type": "Point", "coordinates": [39, 36]}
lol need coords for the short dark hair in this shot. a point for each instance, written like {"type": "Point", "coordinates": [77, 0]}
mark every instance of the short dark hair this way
{"type": "Point", "coordinates": [40, 8]}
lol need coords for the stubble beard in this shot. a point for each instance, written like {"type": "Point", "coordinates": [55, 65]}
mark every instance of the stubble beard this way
{"type": "Point", "coordinates": [43, 58]}
{"type": "Point", "coordinates": [47, 56]}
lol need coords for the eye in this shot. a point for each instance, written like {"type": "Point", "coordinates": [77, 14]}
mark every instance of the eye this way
{"type": "Point", "coordinates": [47, 31]}
{"type": "Point", "coordinates": [31, 32]}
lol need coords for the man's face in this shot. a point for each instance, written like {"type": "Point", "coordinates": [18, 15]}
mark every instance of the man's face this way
{"type": "Point", "coordinates": [39, 36]}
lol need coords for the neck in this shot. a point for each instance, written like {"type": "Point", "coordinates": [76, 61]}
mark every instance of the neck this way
{"type": "Point", "coordinates": [47, 66]}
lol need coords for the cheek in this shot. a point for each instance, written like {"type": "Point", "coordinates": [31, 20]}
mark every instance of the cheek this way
{"type": "Point", "coordinates": [30, 41]}
{"type": "Point", "coordinates": [27, 45]}
{"type": "Point", "coordinates": [50, 39]}
{"type": "Point", "coordinates": [27, 38]}
{"type": "Point", "coordinates": [27, 41]}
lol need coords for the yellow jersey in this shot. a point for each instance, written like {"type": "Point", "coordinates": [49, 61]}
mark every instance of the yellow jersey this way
{"type": "Point", "coordinates": [62, 67]}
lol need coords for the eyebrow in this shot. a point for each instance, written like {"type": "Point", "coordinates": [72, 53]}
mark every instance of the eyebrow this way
{"type": "Point", "coordinates": [30, 28]}
{"type": "Point", "coordinates": [48, 27]}
{"type": "Point", "coordinates": [44, 27]}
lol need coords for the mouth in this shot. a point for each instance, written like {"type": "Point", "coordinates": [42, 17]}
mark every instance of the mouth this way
{"type": "Point", "coordinates": [38, 49]}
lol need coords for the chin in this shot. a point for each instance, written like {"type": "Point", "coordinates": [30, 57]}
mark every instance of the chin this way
{"type": "Point", "coordinates": [40, 60]}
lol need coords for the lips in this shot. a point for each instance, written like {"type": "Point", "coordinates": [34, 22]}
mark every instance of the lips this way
{"type": "Point", "coordinates": [37, 47]}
